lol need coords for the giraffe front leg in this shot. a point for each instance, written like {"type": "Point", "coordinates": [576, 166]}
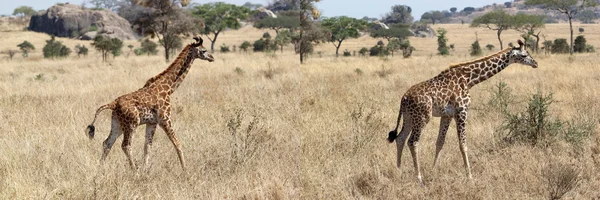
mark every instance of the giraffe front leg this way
{"type": "Point", "coordinates": [461, 122]}
{"type": "Point", "coordinates": [150, 130]}
{"type": "Point", "coordinates": [444, 124]}
{"type": "Point", "coordinates": [166, 126]}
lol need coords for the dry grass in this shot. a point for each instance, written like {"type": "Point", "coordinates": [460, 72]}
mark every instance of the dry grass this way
{"type": "Point", "coordinates": [315, 131]}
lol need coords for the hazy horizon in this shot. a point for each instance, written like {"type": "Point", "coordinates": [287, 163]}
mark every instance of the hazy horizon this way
{"type": "Point", "coordinates": [329, 8]}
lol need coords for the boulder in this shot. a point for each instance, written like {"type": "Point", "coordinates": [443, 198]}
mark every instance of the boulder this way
{"type": "Point", "coordinates": [68, 20]}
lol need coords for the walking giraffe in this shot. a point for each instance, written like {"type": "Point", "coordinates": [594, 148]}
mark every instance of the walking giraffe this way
{"type": "Point", "coordinates": [150, 105]}
{"type": "Point", "coordinates": [447, 96]}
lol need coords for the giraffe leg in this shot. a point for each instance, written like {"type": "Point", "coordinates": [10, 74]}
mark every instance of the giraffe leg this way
{"type": "Point", "coordinates": [444, 124]}
{"type": "Point", "coordinates": [461, 119]}
{"type": "Point", "coordinates": [115, 132]}
{"type": "Point", "coordinates": [166, 126]}
{"type": "Point", "coordinates": [150, 130]}
{"type": "Point", "coordinates": [413, 144]}
{"type": "Point", "coordinates": [401, 141]}
{"type": "Point", "coordinates": [126, 146]}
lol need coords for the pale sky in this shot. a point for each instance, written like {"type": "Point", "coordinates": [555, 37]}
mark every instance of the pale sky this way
{"type": "Point", "coordinates": [329, 8]}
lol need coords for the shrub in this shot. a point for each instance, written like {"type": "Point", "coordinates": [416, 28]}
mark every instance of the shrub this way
{"type": "Point", "coordinates": [224, 48]}
{"type": "Point", "coordinates": [442, 40]}
{"type": "Point", "coordinates": [54, 49]}
{"type": "Point", "coordinates": [347, 53]}
{"type": "Point", "coordinates": [490, 47]}
{"type": "Point", "coordinates": [476, 49]}
{"type": "Point", "coordinates": [579, 44]}
{"type": "Point", "coordinates": [560, 45]}
{"type": "Point", "coordinates": [245, 45]}
{"type": "Point", "coordinates": [581, 30]}
{"type": "Point", "coordinates": [148, 47]}
{"type": "Point", "coordinates": [81, 50]}
{"type": "Point", "coordinates": [363, 51]}
{"type": "Point", "coordinates": [406, 48]}
{"type": "Point", "coordinates": [26, 47]}
{"type": "Point", "coordinates": [561, 178]}
{"type": "Point", "coordinates": [589, 48]}
{"type": "Point", "coordinates": [451, 46]}
{"type": "Point", "coordinates": [107, 45]}
{"type": "Point", "coordinates": [260, 45]}
{"type": "Point", "coordinates": [378, 51]}
{"type": "Point", "coordinates": [266, 35]}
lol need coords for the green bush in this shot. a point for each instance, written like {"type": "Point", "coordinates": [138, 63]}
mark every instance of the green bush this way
{"type": "Point", "coordinates": [81, 50]}
{"type": "Point", "coordinates": [490, 47]}
{"type": "Point", "coordinates": [589, 48]}
{"type": "Point", "coordinates": [442, 42]}
{"type": "Point", "coordinates": [224, 48]}
{"type": "Point", "coordinates": [260, 45]}
{"type": "Point", "coordinates": [55, 49]}
{"type": "Point", "coordinates": [147, 47]}
{"type": "Point", "coordinates": [476, 49]}
{"type": "Point", "coordinates": [560, 45]}
{"type": "Point", "coordinates": [347, 53]}
{"type": "Point", "coordinates": [378, 50]}
{"type": "Point", "coordinates": [245, 45]}
{"type": "Point", "coordinates": [579, 45]}
{"type": "Point", "coordinates": [363, 51]}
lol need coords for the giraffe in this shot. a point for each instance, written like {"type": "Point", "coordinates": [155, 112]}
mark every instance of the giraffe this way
{"type": "Point", "coordinates": [447, 96]}
{"type": "Point", "coordinates": [150, 105]}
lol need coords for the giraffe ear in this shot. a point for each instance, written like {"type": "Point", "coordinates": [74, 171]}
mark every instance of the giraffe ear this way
{"type": "Point", "coordinates": [198, 40]}
{"type": "Point", "coordinates": [520, 42]}
{"type": "Point", "coordinates": [510, 44]}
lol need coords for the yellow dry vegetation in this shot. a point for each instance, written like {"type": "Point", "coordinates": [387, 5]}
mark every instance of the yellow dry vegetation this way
{"type": "Point", "coordinates": [262, 126]}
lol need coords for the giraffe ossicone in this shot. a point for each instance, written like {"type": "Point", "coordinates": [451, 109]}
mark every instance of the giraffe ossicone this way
{"type": "Point", "coordinates": [150, 105]}
{"type": "Point", "coordinates": [447, 96]}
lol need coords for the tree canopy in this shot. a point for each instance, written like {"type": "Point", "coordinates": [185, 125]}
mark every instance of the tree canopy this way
{"type": "Point", "coordinates": [219, 17]}
{"type": "Point", "coordinates": [342, 28]}
{"type": "Point", "coordinates": [396, 31]}
{"type": "Point", "coordinates": [24, 11]}
{"type": "Point", "coordinates": [497, 20]}
{"type": "Point", "coordinates": [281, 22]}
{"type": "Point", "coordinates": [400, 14]}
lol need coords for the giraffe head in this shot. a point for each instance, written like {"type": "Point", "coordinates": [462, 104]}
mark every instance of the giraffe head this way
{"type": "Point", "coordinates": [200, 51]}
{"type": "Point", "coordinates": [520, 55]}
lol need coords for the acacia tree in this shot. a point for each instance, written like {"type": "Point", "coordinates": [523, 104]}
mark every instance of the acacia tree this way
{"type": "Point", "coordinates": [219, 17]}
{"type": "Point", "coordinates": [24, 11]}
{"type": "Point", "coordinates": [529, 25]}
{"type": "Point", "coordinates": [567, 7]}
{"type": "Point", "coordinates": [342, 28]}
{"type": "Point", "coordinates": [433, 16]}
{"type": "Point", "coordinates": [279, 23]}
{"type": "Point", "coordinates": [497, 20]}
{"type": "Point", "coordinates": [396, 31]}
{"type": "Point", "coordinates": [164, 19]}
{"type": "Point", "coordinates": [309, 30]}
{"type": "Point", "coordinates": [400, 14]}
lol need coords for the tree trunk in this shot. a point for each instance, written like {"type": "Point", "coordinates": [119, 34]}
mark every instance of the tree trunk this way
{"type": "Point", "coordinates": [301, 47]}
{"type": "Point", "coordinates": [213, 41]}
{"type": "Point", "coordinates": [571, 27]}
{"type": "Point", "coordinates": [337, 48]}
{"type": "Point", "coordinates": [166, 52]}
{"type": "Point", "coordinates": [537, 42]}
{"type": "Point", "coordinates": [500, 40]}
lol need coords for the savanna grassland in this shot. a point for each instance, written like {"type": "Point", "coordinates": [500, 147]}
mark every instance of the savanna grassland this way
{"type": "Point", "coordinates": [262, 126]}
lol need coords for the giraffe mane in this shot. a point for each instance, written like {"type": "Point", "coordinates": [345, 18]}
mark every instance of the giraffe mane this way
{"type": "Point", "coordinates": [176, 61]}
{"type": "Point", "coordinates": [480, 59]}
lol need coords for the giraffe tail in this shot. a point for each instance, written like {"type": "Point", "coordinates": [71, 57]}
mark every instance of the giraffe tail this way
{"type": "Point", "coordinates": [394, 133]}
{"type": "Point", "coordinates": [90, 130]}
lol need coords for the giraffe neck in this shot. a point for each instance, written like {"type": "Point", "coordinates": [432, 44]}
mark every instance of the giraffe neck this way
{"type": "Point", "coordinates": [486, 68]}
{"type": "Point", "coordinates": [173, 76]}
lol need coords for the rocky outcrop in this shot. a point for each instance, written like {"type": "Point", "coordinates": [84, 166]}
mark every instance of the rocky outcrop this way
{"type": "Point", "coordinates": [68, 20]}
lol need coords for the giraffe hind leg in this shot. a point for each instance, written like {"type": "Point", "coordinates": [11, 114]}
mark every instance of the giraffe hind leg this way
{"type": "Point", "coordinates": [150, 130]}
{"type": "Point", "coordinates": [115, 132]}
{"type": "Point", "coordinates": [401, 141]}
{"type": "Point", "coordinates": [414, 141]}
{"type": "Point", "coordinates": [444, 124]}
{"type": "Point", "coordinates": [126, 146]}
